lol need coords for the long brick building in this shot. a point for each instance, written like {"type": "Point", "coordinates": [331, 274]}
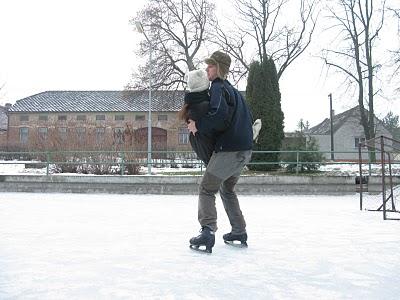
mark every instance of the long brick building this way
{"type": "Point", "coordinates": [96, 120]}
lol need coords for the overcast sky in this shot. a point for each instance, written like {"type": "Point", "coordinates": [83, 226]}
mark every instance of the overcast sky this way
{"type": "Point", "coordinates": [89, 45]}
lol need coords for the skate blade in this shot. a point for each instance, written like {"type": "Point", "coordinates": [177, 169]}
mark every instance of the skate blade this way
{"type": "Point", "coordinates": [237, 244]}
{"type": "Point", "coordinates": [203, 250]}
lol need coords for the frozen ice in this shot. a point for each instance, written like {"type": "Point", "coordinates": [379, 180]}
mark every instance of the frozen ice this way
{"type": "Point", "coordinates": [101, 246]}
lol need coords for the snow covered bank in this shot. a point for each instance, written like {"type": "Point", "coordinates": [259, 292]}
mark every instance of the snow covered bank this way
{"type": "Point", "coordinates": [338, 169]}
{"type": "Point", "coordinates": [73, 246]}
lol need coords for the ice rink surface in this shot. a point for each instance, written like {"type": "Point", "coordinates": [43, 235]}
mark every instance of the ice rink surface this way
{"type": "Point", "coordinates": [99, 246]}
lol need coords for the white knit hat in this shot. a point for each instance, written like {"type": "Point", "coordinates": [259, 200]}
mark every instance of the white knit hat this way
{"type": "Point", "coordinates": [197, 81]}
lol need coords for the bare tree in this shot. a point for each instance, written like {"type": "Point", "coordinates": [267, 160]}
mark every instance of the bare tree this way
{"type": "Point", "coordinates": [396, 52]}
{"type": "Point", "coordinates": [261, 25]}
{"type": "Point", "coordinates": [358, 23]}
{"type": "Point", "coordinates": [177, 30]}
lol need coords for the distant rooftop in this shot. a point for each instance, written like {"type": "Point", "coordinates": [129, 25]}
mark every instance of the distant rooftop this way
{"type": "Point", "coordinates": [99, 101]}
{"type": "Point", "coordinates": [324, 128]}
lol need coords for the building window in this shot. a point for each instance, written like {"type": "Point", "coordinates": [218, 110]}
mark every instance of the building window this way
{"type": "Point", "coordinates": [62, 117]}
{"type": "Point", "coordinates": [162, 117]}
{"type": "Point", "coordinates": [119, 117]}
{"type": "Point", "coordinates": [119, 135]}
{"type": "Point", "coordinates": [183, 135]}
{"type": "Point", "coordinates": [43, 117]}
{"type": "Point", "coordinates": [62, 133]}
{"type": "Point", "coordinates": [81, 134]}
{"type": "Point", "coordinates": [23, 135]}
{"type": "Point", "coordinates": [81, 117]}
{"type": "Point", "coordinates": [24, 118]}
{"type": "Point", "coordinates": [42, 131]}
{"type": "Point", "coordinates": [357, 141]}
{"type": "Point", "coordinates": [100, 117]}
{"type": "Point", "coordinates": [139, 118]}
{"type": "Point", "coordinates": [100, 135]}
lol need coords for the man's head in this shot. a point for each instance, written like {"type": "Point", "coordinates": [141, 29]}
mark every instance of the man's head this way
{"type": "Point", "coordinates": [221, 62]}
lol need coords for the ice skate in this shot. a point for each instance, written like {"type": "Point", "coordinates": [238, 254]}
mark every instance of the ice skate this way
{"type": "Point", "coordinates": [204, 241]}
{"type": "Point", "coordinates": [236, 240]}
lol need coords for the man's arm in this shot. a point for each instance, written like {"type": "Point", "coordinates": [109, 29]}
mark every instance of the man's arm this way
{"type": "Point", "coordinates": [214, 120]}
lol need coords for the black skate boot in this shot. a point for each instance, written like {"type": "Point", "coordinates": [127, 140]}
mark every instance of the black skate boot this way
{"type": "Point", "coordinates": [230, 239]}
{"type": "Point", "coordinates": [205, 238]}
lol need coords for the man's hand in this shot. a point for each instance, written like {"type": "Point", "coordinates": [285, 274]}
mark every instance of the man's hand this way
{"type": "Point", "coordinates": [192, 126]}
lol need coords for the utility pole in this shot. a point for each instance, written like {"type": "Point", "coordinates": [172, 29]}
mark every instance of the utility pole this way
{"type": "Point", "coordinates": [331, 119]}
{"type": "Point", "coordinates": [139, 28]}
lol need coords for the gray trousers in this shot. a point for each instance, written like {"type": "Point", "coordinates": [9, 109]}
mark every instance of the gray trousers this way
{"type": "Point", "coordinates": [222, 174]}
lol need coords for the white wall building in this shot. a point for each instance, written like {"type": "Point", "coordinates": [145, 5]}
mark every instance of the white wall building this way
{"type": "Point", "coordinates": [347, 134]}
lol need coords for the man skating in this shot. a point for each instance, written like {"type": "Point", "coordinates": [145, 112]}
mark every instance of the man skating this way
{"type": "Point", "coordinates": [229, 121]}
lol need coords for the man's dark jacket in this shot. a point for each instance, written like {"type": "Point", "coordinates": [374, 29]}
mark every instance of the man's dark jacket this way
{"type": "Point", "coordinates": [229, 119]}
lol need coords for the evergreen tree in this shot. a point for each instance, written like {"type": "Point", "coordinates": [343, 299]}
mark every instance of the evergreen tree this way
{"type": "Point", "coordinates": [264, 99]}
{"type": "Point", "coordinates": [391, 122]}
{"type": "Point", "coordinates": [309, 160]}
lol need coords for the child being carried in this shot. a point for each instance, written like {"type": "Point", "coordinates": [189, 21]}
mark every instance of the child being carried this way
{"type": "Point", "coordinates": [197, 102]}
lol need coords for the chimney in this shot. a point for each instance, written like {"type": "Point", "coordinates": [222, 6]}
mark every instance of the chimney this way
{"type": "Point", "coordinates": [7, 106]}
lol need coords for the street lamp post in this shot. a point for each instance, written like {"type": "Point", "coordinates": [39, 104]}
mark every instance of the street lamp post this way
{"type": "Point", "coordinates": [139, 28]}
{"type": "Point", "coordinates": [331, 117]}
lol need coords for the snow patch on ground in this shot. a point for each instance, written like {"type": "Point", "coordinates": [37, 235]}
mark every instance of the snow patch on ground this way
{"type": "Point", "coordinates": [353, 169]}
{"type": "Point", "coordinates": [339, 169]}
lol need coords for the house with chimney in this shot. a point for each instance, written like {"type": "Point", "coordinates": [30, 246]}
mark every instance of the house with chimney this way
{"type": "Point", "coordinates": [347, 133]}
